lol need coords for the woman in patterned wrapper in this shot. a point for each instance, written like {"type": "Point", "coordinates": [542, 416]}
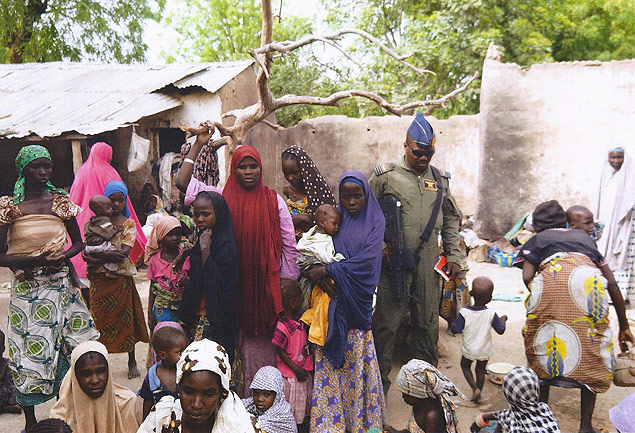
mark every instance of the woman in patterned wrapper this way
{"type": "Point", "coordinates": [347, 391]}
{"type": "Point", "coordinates": [117, 308]}
{"type": "Point", "coordinates": [47, 316]}
{"type": "Point", "coordinates": [568, 340]}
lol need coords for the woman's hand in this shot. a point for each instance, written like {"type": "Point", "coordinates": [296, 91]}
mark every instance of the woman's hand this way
{"type": "Point", "coordinates": [182, 282]}
{"type": "Point", "coordinates": [115, 256]}
{"type": "Point", "coordinates": [205, 239]}
{"type": "Point", "coordinates": [625, 336]}
{"type": "Point", "coordinates": [328, 287]}
{"type": "Point", "coordinates": [46, 260]}
{"type": "Point", "coordinates": [316, 273]}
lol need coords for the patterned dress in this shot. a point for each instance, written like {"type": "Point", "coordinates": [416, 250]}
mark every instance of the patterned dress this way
{"type": "Point", "coordinates": [567, 332]}
{"type": "Point", "coordinates": [115, 304]}
{"type": "Point", "coordinates": [350, 399]}
{"type": "Point", "coordinates": [47, 316]}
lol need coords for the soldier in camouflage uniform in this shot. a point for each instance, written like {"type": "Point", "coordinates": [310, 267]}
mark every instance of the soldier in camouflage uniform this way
{"type": "Point", "coordinates": [412, 182]}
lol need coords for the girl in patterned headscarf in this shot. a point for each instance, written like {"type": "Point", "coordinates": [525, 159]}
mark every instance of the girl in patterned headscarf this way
{"type": "Point", "coordinates": [44, 307]}
{"type": "Point", "coordinates": [273, 412]}
{"type": "Point", "coordinates": [526, 414]}
{"type": "Point", "coordinates": [307, 189]}
{"type": "Point", "coordinates": [429, 393]}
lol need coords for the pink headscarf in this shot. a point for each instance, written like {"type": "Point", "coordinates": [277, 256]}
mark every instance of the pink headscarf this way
{"type": "Point", "coordinates": [164, 225]}
{"type": "Point", "coordinates": [90, 180]}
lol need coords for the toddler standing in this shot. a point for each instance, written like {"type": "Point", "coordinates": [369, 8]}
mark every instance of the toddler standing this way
{"type": "Point", "coordinates": [168, 343]}
{"type": "Point", "coordinates": [316, 247]}
{"type": "Point", "coordinates": [476, 322]}
{"type": "Point", "coordinates": [294, 360]}
{"type": "Point", "coordinates": [98, 232]}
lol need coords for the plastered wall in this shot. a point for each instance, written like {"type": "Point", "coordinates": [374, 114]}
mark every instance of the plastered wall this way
{"type": "Point", "coordinates": [544, 132]}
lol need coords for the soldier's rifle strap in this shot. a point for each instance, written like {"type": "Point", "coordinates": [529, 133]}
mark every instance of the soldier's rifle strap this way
{"type": "Point", "coordinates": [425, 236]}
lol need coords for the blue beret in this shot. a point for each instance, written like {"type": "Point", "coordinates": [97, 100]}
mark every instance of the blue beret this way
{"type": "Point", "coordinates": [421, 132]}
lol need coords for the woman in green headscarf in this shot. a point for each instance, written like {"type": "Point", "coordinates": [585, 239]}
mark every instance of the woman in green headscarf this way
{"type": "Point", "coordinates": [47, 317]}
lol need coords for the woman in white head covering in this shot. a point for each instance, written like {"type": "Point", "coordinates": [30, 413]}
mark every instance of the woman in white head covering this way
{"type": "Point", "coordinates": [277, 416]}
{"type": "Point", "coordinates": [613, 206]}
{"type": "Point", "coordinates": [89, 401]}
{"type": "Point", "coordinates": [205, 401]}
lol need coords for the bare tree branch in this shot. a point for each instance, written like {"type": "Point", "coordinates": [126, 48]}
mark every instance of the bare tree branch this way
{"type": "Point", "coordinates": [286, 47]}
{"type": "Point", "coordinates": [248, 117]}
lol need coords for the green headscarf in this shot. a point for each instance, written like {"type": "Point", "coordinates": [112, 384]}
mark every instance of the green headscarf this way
{"type": "Point", "coordinates": [25, 156]}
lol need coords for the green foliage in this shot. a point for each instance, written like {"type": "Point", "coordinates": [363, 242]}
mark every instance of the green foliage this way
{"type": "Point", "coordinates": [449, 37]}
{"type": "Point", "coordinates": [52, 30]}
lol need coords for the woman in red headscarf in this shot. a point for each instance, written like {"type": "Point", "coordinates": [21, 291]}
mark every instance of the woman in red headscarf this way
{"type": "Point", "coordinates": [266, 248]}
{"type": "Point", "coordinates": [90, 180]}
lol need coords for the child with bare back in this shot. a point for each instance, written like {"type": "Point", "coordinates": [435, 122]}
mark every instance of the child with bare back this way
{"type": "Point", "coordinates": [98, 232]}
{"type": "Point", "coordinates": [316, 247]}
{"type": "Point", "coordinates": [475, 323]}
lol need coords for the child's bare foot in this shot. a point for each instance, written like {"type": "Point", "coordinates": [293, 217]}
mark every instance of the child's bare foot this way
{"type": "Point", "coordinates": [476, 396]}
{"type": "Point", "coordinates": [133, 371]}
{"type": "Point", "coordinates": [111, 274]}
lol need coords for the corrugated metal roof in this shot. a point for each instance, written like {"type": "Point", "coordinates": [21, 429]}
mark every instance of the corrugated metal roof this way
{"type": "Point", "coordinates": [48, 99]}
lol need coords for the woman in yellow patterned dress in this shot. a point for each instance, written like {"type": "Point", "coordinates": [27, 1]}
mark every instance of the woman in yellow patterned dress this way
{"type": "Point", "coordinates": [567, 335]}
{"type": "Point", "coordinates": [47, 316]}
{"type": "Point", "coordinates": [114, 302]}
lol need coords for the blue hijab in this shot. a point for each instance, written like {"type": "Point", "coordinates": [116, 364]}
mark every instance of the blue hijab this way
{"type": "Point", "coordinates": [117, 186]}
{"type": "Point", "coordinates": [360, 241]}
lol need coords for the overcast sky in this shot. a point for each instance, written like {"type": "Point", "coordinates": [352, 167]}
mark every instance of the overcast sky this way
{"type": "Point", "coordinates": [160, 38]}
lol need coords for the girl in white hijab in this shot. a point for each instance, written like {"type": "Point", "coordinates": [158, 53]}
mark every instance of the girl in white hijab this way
{"type": "Point", "coordinates": [277, 416]}
{"type": "Point", "coordinates": [203, 375]}
{"type": "Point", "coordinates": [89, 401]}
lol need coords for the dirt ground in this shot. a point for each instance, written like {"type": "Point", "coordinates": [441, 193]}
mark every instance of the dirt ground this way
{"type": "Point", "coordinates": [507, 347]}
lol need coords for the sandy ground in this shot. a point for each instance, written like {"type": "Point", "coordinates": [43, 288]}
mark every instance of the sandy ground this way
{"type": "Point", "coordinates": [508, 348]}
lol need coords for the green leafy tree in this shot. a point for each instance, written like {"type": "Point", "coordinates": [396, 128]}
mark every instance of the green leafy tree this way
{"type": "Point", "coordinates": [52, 30]}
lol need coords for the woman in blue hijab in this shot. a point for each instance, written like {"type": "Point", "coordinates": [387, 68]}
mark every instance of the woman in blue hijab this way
{"type": "Point", "coordinates": [347, 393]}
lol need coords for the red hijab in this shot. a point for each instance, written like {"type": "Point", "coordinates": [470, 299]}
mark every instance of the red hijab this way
{"type": "Point", "coordinates": [257, 231]}
{"type": "Point", "coordinates": [90, 180]}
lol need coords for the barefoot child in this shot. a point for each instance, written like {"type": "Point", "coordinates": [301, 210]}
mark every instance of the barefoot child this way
{"type": "Point", "coordinates": [476, 322]}
{"type": "Point", "coordinates": [294, 360]}
{"type": "Point", "coordinates": [316, 247]}
{"type": "Point", "coordinates": [7, 388]}
{"type": "Point", "coordinates": [268, 405]}
{"type": "Point", "coordinates": [168, 343]}
{"type": "Point", "coordinates": [166, 283]}
{"type": "Point", "coordinates": [99, 231]}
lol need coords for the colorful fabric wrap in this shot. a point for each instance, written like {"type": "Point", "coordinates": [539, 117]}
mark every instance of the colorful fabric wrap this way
{"type": "Point", "coordinates": [26, 155]}
{"type": "Point", "coordinates": [421, 379]}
